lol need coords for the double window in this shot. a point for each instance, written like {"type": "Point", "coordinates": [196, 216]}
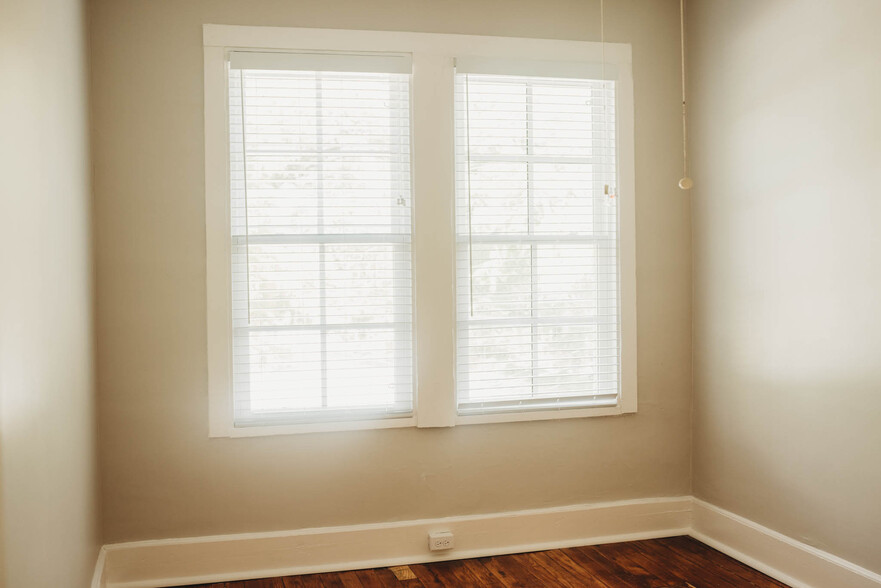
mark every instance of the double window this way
{"type": "Point", "coordinates": [382, 193]}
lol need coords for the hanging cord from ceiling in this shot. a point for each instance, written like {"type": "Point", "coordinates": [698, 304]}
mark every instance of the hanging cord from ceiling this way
{"type": "Point", "coordinates": [686, 182]}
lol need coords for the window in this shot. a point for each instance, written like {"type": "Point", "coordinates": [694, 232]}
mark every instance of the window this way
{"type": "Point", "coordinates": [320, 228]}
{"type": "Point", "coordinates": [497, 285]}
{"type": "Point", "coordinates": [536, 232]}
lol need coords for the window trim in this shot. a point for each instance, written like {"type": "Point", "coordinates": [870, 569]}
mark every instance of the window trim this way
{"type": "Point", "coordinates": [433, 186]}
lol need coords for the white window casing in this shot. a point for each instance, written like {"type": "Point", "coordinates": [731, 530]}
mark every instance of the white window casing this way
{"type": "Point", "coordinates": [406, 375]}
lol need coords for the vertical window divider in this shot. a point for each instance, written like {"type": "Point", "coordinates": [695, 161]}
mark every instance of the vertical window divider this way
{"type": "Point", "coordinates": [434, 237]}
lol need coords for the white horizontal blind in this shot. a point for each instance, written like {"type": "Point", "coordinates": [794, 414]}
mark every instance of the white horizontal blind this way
{"type": "Point", "coordinates": [536, 268]}
{"type": "Point", "coordinates": [321, 224]}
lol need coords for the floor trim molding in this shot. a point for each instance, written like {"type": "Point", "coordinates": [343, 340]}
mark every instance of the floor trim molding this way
{"type": "Point", "coordinates": [223, 558]}
{"type": "Point", "coordinates": [781, 557]}
{"type": "Point", "coordinates": [175, 562]}
{"type": "Point", "coordinates": [100, 566]}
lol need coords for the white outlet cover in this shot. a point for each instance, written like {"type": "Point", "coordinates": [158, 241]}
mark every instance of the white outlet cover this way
{"type": "Point", "coordinates": [440, 540]}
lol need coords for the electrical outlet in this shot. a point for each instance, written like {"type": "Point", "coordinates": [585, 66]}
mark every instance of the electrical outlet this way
{"type": "Point", "coordinates": [440, 540]}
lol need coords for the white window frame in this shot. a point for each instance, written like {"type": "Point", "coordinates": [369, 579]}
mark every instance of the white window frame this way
{"type": "Point", "coordinates": [433, 186]}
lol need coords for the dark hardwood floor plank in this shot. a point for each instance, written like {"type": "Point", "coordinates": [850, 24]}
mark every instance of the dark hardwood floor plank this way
{"type": "Point", "coordinates": [265, 583]}
{"type": "Point", "coordinates": [483, 575]}
{"type": "Point", "coordinates": [584, 577]}
{"type": "Point", "coordinates": [330, 580]}
{"type": "Point", "coordinates": [350, 580]}
{"type": "Point", "coordinates": [369, 579]}
{"type": "Point", "coordinates": [613, 573]}
{"type": "Point", "coordinates": [721, 560]}
{"type": "Point", "coordinates": [428, 575]}
{"type": "Point", "coordinates": [552, 571]}
{"type": "Point", "coordinates": [698, 576]}
{"type": "Point", "coordinates": [510, 572]}
{"type": "Point", "coordinates": [456, 573]}
{"type": "Point", "coordinates": [293, 581]}
{"type": "Point", "coordinates": [445, 573]}
{"type": "Point", "coordinates": [705, 556]}
{"type": "Point", "coordinates": [642, 570]}
{"type": "Point", "coordinates": [533, 565]}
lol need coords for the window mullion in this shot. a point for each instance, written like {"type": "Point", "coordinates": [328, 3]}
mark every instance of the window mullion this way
{"type": "Point", "coordinates": [434, 241]}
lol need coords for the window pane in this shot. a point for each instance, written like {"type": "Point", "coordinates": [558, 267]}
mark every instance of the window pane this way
{"type": "Point", "coordinates": [321, 262]}
{"type": "Point", "coordinates": [536, 225]}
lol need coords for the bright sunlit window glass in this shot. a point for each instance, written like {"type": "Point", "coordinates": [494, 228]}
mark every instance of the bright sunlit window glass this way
{"type": "Point", "coordinates": [536, 229]}
{"type": "Point", "coordinates": [320, 216]}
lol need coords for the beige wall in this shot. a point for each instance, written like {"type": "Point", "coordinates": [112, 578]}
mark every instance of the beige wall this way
{"type": "Point", "coordinates": [48, 514]}
{"type": "Point", "coordinates": [787, 238]}
{"type": "Point", "coordinates": [162, 475]}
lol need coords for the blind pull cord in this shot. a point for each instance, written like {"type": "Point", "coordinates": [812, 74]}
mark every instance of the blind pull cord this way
{"type": "Point", "coordinates": [686, 182]}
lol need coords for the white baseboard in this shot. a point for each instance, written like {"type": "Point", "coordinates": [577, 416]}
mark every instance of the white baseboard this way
{"type": "Point", "coordinates": [100, 566]}
{"type": "Point", "coordinates": [174, 562]}
{"type": "Point", "coordinates": [781, 557]}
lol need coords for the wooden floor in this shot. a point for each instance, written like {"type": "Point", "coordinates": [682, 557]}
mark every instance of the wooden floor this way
{"type": "Point", "coordinates": [677, 562]}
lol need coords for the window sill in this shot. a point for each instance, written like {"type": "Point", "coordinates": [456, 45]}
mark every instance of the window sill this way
{"type": "Point", "coordinates": [330, 427]}
{"type": "Point", "coordinates": [541, 415]}
{"type": "Point", "coordinates": [323, 427]}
